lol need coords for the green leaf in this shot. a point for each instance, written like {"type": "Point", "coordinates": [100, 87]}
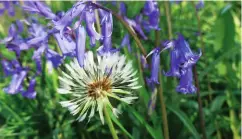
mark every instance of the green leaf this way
{"type": "Point", "coordinates": [150, 129]}
{"type": "Point", "coordinates": [217, 103]}
{"type": "Point", "coordinates": [120, 125]}
{"type": "Point", "coordinates": [184, 118]}
{"type": "Point", "coordinates": [10, 55]}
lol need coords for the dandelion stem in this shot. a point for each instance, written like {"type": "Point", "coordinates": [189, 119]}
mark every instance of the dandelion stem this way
{"type": "Point", "coordinates": [110, 124]}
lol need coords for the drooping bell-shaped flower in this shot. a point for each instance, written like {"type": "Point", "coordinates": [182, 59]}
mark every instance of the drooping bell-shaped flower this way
{"type": "Point", "coordinates": [69, 16]}
{"type": "Point", "coordinates": [136, 25]}
{"type": "Point", "coordinates": [80, 45]}
{"type": "Point", "coordinates": [15, 84]}
{"type": "Point", "coordinates": [107, 29]}
{"type": "Point", "coordinates": [186, 82]}
{"type": "Point", "coordinates": [40, 8]}
{"type": "Point", "coordinates": [187, 58]}
{"type": "Point", "coordinates": [182, 60]}
{"type": "Point", "coordinates": [155, 67]}
{"type": "Point", "coordinates": [7, 67]}
{"type": "Point", "coordinates": [66, 44]}
{"type": "Point", "coordinates": [30, 92]}
{"type": "Point", "coordinates": [200, 5]}
{"type": "Point", "coordinates": [126, 42]}
{"type": "Point", "coordinates": [151, 10]}
{"type": "Point", "coordinates": [7, 6]}
{"type": "Point", "coordinates": [89, 15]}
{"type": "Point", "coordinates": [54, 57]}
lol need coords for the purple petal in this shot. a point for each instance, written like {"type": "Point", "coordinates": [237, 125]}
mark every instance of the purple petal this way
{"type": "Point", "coordinates": [16, 82]}
{"type": "Point", "coordinates": [30, 92]}
{"type": "Point", "coordinates": [7, 67]}
{"type": "Point", "coordinates": [66, 44]}
{"type": "Point", "coordinates": [126, 42]}
{"type": "Point", "coordinates": [185, 86]}
{"type": "Point", "coordinates": [81, 44]}
{"type": "Point", "coordinates": [90, 28]}
{"type": "Point", "coordinates": [67, 19]}
{"type": "Point", "coordinates": [54, 57]}
{"type": "Point", "coordinates": [200, 5]}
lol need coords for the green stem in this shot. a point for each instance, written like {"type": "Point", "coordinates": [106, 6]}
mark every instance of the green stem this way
{"type": "Point", "coordinates": [199, 100]}
{"type": "Point", "coordinates": [163, 108]}
{"type": "Point", "coordinates": [160, 92]}
{"type": "Point", "coordinates": [110, 124]}
{"type": "Point", "coordinates": [168, 19]}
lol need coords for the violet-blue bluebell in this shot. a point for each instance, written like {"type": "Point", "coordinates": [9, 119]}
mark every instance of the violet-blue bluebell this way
{"type": "Point", "coordinates": [186, 82]}
{"type": "Point", "coordinates": [151, 10]}
{"type": "Point", "coordinates": [80, 45]}
{"type": "Point", "coordinates": [54, 57]}
{"type": "Point", "coordinates": [69, 16]}
{"type": "Point", "coordinates": [107, 29]}
{"type": "Point", "coordinates": [30, 92]}
{"type": "Point", "coordinates": [40, 8]}
{"type": "Point", "coordinates": [200, 5]}
{"type": "Point", "coordinates": [126, 42]}
{"type": "Point", "coordinates": [15, 84]}
{"type": "Point", "coordinates": [155, 67]}
{"type": "Point", "coordinates": [182, 60]}
{"type": "Point", "coordinates": [90, 28]}
{"type": "Point", "coordinates": [7, 67]}
{"type": "Point", "coordinates": [7, 6]}
{"type": "Point", "coordinates": [67, 44]}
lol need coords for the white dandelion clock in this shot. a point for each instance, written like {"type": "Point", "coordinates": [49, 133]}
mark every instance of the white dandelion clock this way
{"type": "Point", "coordinates": [101, 78]}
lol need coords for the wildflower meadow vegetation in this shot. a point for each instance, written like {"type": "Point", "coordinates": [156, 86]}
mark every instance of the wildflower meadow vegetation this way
{"type": "Point", "coordinates": [120, 69]}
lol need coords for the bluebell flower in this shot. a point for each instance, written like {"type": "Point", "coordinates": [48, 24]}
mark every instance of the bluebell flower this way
{"type": "Point", "coordinates": [151, 10]}
{"type": "Point", "coordinates": [7, 67]}
{"type": "Point", "coordinates": [90, 28]}
{"type": "Point", "coordinates": [40, 8]}
{"type": "Point", "coordinates": [30, 92]}
{"type": "Point", "coordinates": [182, 60]}
{"type": "Point", "coordinates": [136, 25]}
{"type": "Point", "coordinates": [155, 67]}
{"type": "Point", "coordinates": [126, 42]}
{"type": "Point", "coordinates": [107, 29]}
{"type": "Point", "coordinates": [199, 5]}
{"type": "Point", "coordinates": [69, 16]}
{"type": "Point", "coordinates": [186, 82]}
{"type": "Point", "coordinates": [67, 44]}
{"type": "Point", "coordinates": [54, 57]}
{"type": "Point", "coordinates": [122, 9]}
{"type": "Point", "coordinates": [7, 6]}
{"type": "Point", "coordinates": [80, 45]}
{"type": "Point", "coordinates": [16, 82]}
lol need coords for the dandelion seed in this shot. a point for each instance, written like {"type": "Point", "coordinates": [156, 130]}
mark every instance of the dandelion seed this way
{"type": "Point", "coordinates": [102, 78]}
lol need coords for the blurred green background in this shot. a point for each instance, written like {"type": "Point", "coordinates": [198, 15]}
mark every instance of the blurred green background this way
{"type": "Point", "coordinates": [219, 73]}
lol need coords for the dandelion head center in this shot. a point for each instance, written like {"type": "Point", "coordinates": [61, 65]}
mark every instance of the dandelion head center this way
{"type": "Point", "coordinates": [99, 88]}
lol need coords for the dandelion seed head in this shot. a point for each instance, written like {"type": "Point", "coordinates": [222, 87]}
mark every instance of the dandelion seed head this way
{"type": "Point", "coordinates": [92, 86]}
